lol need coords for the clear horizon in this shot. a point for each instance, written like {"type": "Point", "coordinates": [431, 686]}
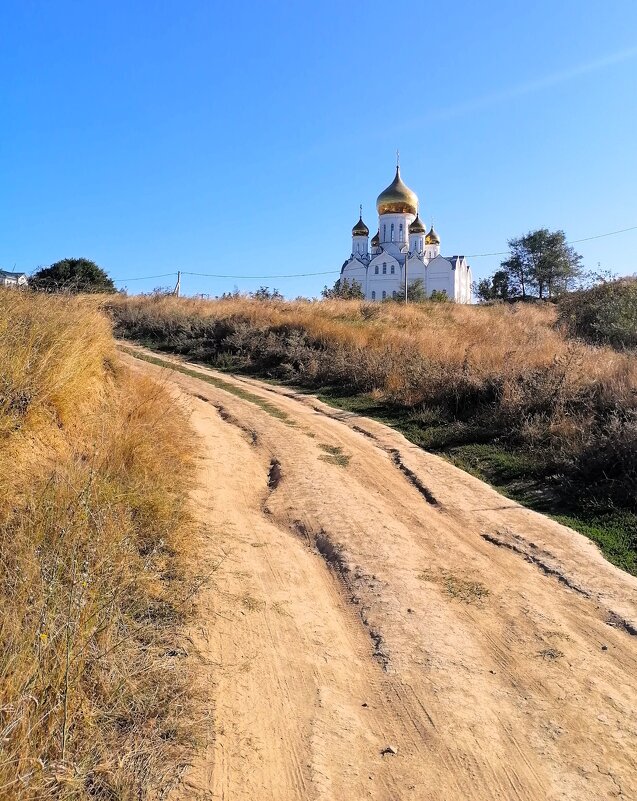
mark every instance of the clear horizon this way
{"type": "Point", "coordinates": [241, 140]}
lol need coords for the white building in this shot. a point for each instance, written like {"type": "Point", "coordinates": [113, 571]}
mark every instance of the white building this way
{"type": "Point", "coordinates": [12, 279]}
{"type": "Point", "coordinates": [402, 238]}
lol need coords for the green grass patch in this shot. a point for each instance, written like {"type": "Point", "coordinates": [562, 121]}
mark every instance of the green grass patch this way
{"type": "Point", "coordinates": [334, 455]}
{"type": "Point", "coordinates": [614, 531]}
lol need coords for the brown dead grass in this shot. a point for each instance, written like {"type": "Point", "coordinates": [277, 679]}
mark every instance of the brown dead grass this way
{"type": "Point", "coordinates": [487, 341]}
{"type": "Point", "coordinates": [493, 371]}
{"type": "Point", "coordinates": [94, 468]}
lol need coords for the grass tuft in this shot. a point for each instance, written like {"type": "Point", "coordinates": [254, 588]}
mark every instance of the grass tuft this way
{"type": "Point", "coordinates": [334, 455]}
{"type": "Point", "coordinates": [462, 589]}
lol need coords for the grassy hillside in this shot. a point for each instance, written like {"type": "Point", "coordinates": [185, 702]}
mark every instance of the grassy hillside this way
{"type": "Point", "coordinates": [501, 390]}
{"type": "Point", "coordinates": [94, 586]}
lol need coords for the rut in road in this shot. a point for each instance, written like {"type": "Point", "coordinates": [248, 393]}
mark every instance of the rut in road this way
{"type": "Point", "coordinates": [497, 680]}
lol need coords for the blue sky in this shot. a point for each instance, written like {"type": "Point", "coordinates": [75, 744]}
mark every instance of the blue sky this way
{"type": "Point", "coordinates": [239, 138]}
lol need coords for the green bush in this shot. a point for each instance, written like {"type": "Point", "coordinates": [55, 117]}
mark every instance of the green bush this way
{"type": "Point", "coordinates": [72, 275]}
{"type": "Point", "coordinates": [604, 315]}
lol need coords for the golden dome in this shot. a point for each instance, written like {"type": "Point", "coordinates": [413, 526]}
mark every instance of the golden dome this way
{"type": "Point", "coordinates": [360, 229]}
{"type": "Point", "coordinates": [397, 198]}
{"type": "Point", "coordinates": [417, 227]}
{"type": "Point", "coordinates": [432, 237]}
{"type": "Point", "coordinates": [376, 239]}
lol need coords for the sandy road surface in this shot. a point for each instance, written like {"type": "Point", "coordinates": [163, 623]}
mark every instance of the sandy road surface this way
{"type": "Point", "coordinates": [375, 596]}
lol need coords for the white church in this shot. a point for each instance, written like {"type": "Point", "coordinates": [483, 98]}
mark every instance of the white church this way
{"type": "Point", "coordinates": [402, 242]}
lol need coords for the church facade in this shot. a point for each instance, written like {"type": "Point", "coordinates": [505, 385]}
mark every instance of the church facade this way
{"type": "Point", "coordinates": [402, 243]}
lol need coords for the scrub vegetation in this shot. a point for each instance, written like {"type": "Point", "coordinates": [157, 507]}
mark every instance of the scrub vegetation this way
{"type": "Point", "coordinates": [604, 314]}
{"type": "Point", "coordinates": [95, 584]}
{"type": "Point", "coordinates": [500, 389]}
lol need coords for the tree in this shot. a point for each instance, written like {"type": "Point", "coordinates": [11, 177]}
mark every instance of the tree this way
{"type": "Point", "coordinates": [72, 275]}
{"type": "Point", "coordinates": [541, 264]}
{"type": "Point", "coordinates": [344, 290]}
{"type": "Point", "coordinates": [416, 291]}
{"type": "Point", "coordinates": [496, 287]}
{"type": "Point", "coordinates": [264, 293]}
{"type": "Point", "coordinates": [439, 296]}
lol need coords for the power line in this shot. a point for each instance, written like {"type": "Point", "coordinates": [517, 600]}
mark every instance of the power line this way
{"type": "Point", "coordinates": [480, 255]}
{"type": "Point", "coordinates": [334, 272]}
{"type": "Point", "coordinates": [599, 236]}
{"type": "Point", "coordinates": [215, 275]}
{"type": "Point", "coordinates": [572, 242]}
{"type": "Point", "coordinates": [292, 275]}
{"type": "Point", "coordinates": [145, 277]}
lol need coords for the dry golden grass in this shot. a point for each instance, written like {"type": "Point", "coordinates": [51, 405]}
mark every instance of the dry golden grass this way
{"type": "Point", "coordinates": [501, 370]}
{"type": "Point", "coordinates": [94, 468]}
{"type": "Point", "coordinates": [490, 336]}
{"type": "Point", "coordinates": [486, 342]}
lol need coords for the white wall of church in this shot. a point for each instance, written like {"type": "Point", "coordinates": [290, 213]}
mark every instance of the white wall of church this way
{"type": "Point", "coordinates": [382, 290]}
{"type": "Point", "coordinates": [431, 251]}
{"type": "Point", "coordinates": [416, 243]}
{"type": "Point", "coordinates": [395, 228]}
{"type": "Point", "coordinates": [416, 269]}
{"type": "Point", "coordinates": [359, 245]}
{"type": "Point", "coordinates": [440, 277]}
{"type": "Point", "coordinates": [355, 271]}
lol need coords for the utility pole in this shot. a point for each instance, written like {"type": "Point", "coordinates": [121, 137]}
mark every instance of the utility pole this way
{"type": "Point", "coordinates": [406, 258]}
{"type": "Point", "coordinates": [178, 284]}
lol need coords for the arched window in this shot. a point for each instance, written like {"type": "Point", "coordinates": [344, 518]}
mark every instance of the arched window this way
{"type": "Point", "coordinates": [384, 233]}
{"type": "Point", "coordinates": [393, 269]}
{"type": "Point", "coordinates": [392, 232]}
{"type": "Point", "coordinates": [394, 294]}
{"type": "Point", "coordinates": [384, 269]}
{"type": "Point", "coordinates": [384, 294]}
{"type": "Point", "coordinates": [400, 229]}
{"type": "Point", "coordinates": [373, 296]}
{"type": "Point", "coordinates": [376, 269]}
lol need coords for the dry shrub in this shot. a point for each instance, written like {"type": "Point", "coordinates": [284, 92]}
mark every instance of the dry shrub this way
{"type": "Point", "coordinates": [95, 464]}
{"type": "Point", "coordinates": [507, 369]}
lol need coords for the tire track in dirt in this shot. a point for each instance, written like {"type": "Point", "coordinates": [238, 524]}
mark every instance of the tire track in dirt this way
{"type": "Point", "coordinates": [503, 682]}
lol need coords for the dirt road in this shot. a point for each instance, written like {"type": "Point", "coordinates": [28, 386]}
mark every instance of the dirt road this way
{"type": "Point", "coordinates": [382, 625]}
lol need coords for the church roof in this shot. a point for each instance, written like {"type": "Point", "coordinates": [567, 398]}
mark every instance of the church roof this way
{"type": "Point", "coordinates": [398, 198]}
{"type": "Point", "coordinates": [360, 229]}
{"type": "Point", "coordinates": [432, 237]}
{"type": "Point", "coordinates": [417, 227]}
